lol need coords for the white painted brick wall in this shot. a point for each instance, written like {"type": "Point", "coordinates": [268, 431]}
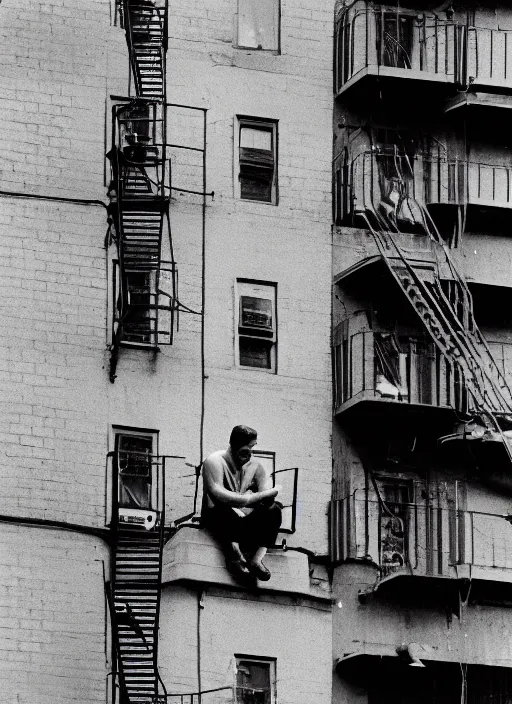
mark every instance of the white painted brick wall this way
{"type": "Point", "coordinates": [52, 617]}
{"type": "Point", "coordinates": [58, 65]}
{"type": "Point", "coordinates": [297, 634]}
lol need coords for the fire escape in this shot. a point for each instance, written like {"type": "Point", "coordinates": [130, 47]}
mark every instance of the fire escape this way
{"type": "Point", "coordinates": [145, 284]}
{"type": "Point", "coordinates": [145, 277]}
{"type": "Point", "coordinates": [138, 529]}
{"type": "Point", "coordinates": [411, 356]}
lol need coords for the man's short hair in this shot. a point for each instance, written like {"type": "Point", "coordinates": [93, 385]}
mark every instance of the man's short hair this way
{"type": "Point", "coordinates": [242, 435]}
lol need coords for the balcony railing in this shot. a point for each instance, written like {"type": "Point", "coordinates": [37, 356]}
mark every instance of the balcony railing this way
{"type": "Point", "coordinates": [219, 695]}
{"type": "Point", "coordinates": [148, 314]}
{"type": "Point", "coordinates": [371, 365]}
{"type": "Point", "coordinates": [419, 539]}
{"type": "Point", "coordinates": [138, 156]}
{"type": "Point", "coordinates": [468, 183]}
{"type": "Point", "coordinates": [489, 57]}
{"type": "Point", "coordinates": [395, 188]}
{"type": "Point", "coordinates": [386, 41]}
{"type": "Point", "coordinates": [381, 40]}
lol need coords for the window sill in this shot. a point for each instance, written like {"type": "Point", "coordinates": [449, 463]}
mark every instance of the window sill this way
{"type": "Point", "coordinates": [258, 370]}
{"type": "Point", "coordinates": [140, 346]}
{"type": "Point", "coordinates": [260, 202]}
{"type": "Point", "coordinates": [255, 50]}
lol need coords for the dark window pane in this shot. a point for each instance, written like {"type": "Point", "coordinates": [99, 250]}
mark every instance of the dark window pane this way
{"type": "Point", "coordinates": [137, 322]}
{"type": "Point", "coordinates": [256, 188]}
{"type": "Point", "coordinates": [253, 682]}
{"type": "Point", "coordinates": [134, 471]}
{"type": "Point", "coordinates": [255, 352]}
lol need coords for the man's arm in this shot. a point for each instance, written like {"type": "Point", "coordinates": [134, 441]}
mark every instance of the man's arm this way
{"type": "Point", "coordinates": [214, 485]}
{"type": "Point", "coordinates": [266, 492]}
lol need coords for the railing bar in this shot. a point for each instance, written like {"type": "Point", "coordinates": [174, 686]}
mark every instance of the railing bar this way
{"type": "Point", "coordinates": [492, 52]}
{"type": "Point", "coordinates": [181, 146]}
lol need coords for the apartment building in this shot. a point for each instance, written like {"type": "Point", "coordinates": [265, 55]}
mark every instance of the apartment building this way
{"type": "Point", "coordinates": [198, 233]}
{"type": "Point", "coordinates": [165, 194]}
{"type": "Point", "coordinates": [421, 338]}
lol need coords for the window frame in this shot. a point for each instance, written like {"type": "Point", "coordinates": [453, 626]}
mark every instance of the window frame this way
{"type": "Point", "coordinates": [240, 284]}
{"type": "Point", "coordinates": [118, 431]}
{"type": "Point", "coordinates": [146, 311]}
{"type": "Point", "coordinates": [270, 661]}
{"type": "Point", "coordinates": [238, 45]}
{"type": "Point", "coordinates": [265, 124]}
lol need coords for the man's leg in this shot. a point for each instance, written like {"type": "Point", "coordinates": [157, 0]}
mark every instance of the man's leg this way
{"type": "Point", "coordinates": [226, 526]}
{"type": "Point", "coordinates": [260, 529]}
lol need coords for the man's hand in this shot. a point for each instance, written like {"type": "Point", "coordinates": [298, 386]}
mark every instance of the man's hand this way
{"type": "Point", "coordinates": [255, 498]}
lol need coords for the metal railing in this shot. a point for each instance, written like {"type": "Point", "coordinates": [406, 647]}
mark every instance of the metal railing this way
{"type": "Point", "coordinates": [489, 57]}
{"type": "Point", "coordinates": [422, 538]}
{"type": "Point", "coordinates": [138, 157]}
{"type": "Point", "coordinates": [219, 695]}
{"type": "Point", "coordinates": [150, 315]}
{"type": "Point", "coordinates": [379, 38]}
{"type": "Point", "coordinates": [407, 370]}
{"type": "Point", "coordinates": [287, 497]}
{"type": "Point", "coordinates": [467, 183]}
{"type": "Point", "coordinates": [375, 36]}
{"type": "Point", "coordinates": [396, 187]}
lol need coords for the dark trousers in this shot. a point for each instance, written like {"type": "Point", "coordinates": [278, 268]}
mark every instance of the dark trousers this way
{"type": "Point", "coordinates": [257, 529]}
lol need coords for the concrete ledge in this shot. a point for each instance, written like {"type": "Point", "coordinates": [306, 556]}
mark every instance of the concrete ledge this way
{"type": "Point", "coordinates": [193, 555]}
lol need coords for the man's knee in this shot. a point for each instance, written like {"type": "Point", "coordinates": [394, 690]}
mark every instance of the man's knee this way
{"type": "Point", "coordinates": [271, 515]}
{"type": "Point", "coordinates": [276, 513]}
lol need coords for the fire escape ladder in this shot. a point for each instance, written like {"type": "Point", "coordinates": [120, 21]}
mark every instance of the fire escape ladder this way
{"type": "Point", "coordinates": [448, 318]}
{"type": "Point", "coordinates": [138, 520]}
{"type": "Point", "coordinates": [136, 598]}
{"type": "Point", "coordinates": [146, 35]}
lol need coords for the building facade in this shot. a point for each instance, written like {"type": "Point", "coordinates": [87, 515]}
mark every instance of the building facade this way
{"type": "Point", "coordinates": [185, 250]}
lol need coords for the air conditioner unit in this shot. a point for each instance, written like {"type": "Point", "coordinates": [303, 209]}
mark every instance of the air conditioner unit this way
{"type": "Point", "coordinates": [255, 312]}
{"type": "Point", "coordinates": [138, 516]}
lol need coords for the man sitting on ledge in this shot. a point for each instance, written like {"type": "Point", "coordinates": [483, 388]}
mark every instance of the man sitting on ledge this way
{"type": "Point", "coordinates": [238, 505]}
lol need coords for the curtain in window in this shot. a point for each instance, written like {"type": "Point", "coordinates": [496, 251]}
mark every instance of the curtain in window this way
{"type": "Point", "coordinates": [258, 24]}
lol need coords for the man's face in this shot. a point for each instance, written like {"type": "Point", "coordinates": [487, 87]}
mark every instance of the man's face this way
{"type": "Point", "coordinates": [244, 453]}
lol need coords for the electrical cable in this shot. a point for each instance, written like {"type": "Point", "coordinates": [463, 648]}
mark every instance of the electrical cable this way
{"type": "Point", "coordinates": [58, 199]}
{"type": "Point", "coordinates": [102, 533]}
{"type": "Point", "coordinates": [200, 607]}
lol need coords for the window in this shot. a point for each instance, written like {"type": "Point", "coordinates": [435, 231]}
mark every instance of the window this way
{"type": "Point", "coordinates": [138, 322]}
{"type": "Point", "coordinates": [134, 452]}
{"type": "Point", "coordinates": [257, 160]}
{"type": "Point", "coordinates": [255, 680]}
{"type": "Point", "coordinates": [258, 24]}
{"type": "Point", "coordinates": [394, 523]}
{"type": "Point", "coordinates": [256, 325]}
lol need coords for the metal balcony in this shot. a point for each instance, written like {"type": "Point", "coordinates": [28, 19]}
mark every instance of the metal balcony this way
{"type": "Point", "coordinates": [421, 47]}
{"type": "Point", "coordinates": [420, 539]}
{"type": "Point", "coordinates": [384, 371]}
{"type": "Point", "coordinates": [401, 192]}
{"type": "Point", "coordinates": [146, 311]}
{"type": "Point", "coordinates": [379, 40]}
{"type": "Point", "coordinates": [138, 156]}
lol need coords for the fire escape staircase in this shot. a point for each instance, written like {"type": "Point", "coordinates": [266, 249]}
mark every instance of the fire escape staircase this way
{"type": "Point", "coordinates": [146, 35]}
{"type": "Point", "coordinates": [136, 601]}
{"type": "Point", "coordinates": [139, 194]}
{"type": "Point", "coordinates": [445, 309]}
{"type": "Point", "coordinates": [138, 533]}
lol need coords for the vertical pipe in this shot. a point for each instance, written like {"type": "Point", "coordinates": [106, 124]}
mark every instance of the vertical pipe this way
{"type": "Point", "coordinates": [203, 296]}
